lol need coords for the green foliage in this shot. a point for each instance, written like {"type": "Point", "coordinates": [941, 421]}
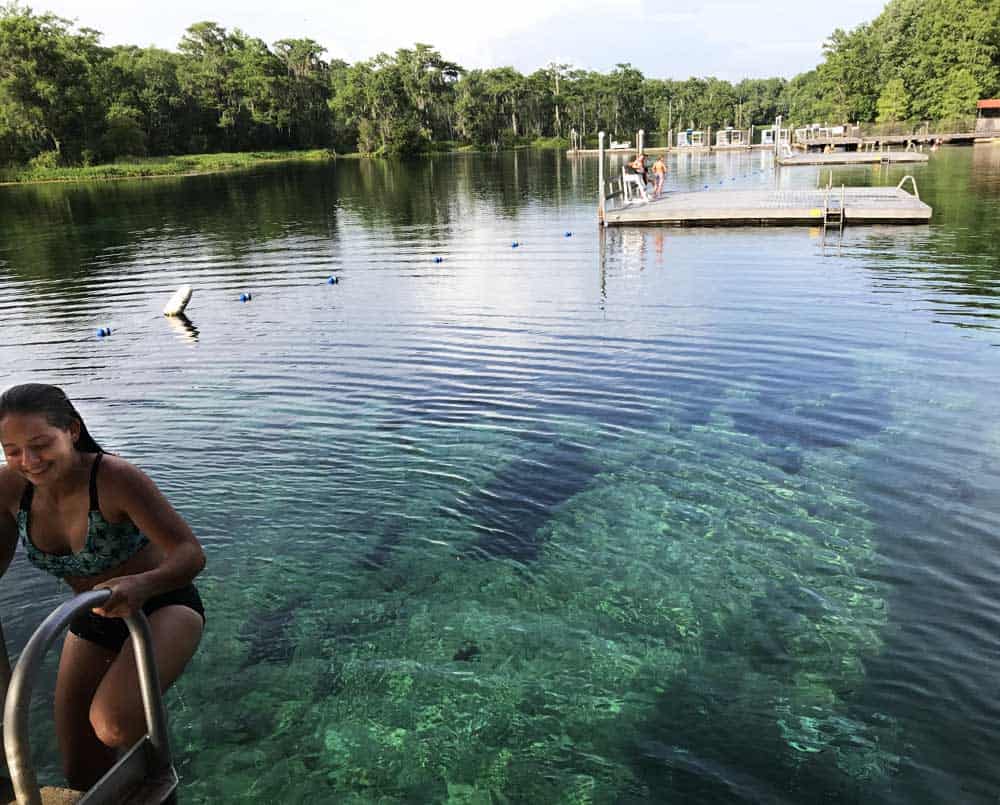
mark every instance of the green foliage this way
{"type": "Point", "coordinates": [959, 95]}
{"type": "Point", "coordinates": [893, 103]}
{"type": "Point", "coordinates": [46, 85]}
{"type": "Point", "coordinates": [45, 160]}
{"type": "Point", "coordinates": [47, 167]}
{"type": "Point", "coordinates": [224, 90]}
{"type": "Point", "coordinates": [123, 134]}
{"type": "Point", "coordinates": [946, 53]}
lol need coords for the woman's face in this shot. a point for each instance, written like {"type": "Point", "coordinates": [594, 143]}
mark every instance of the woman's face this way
{"type": "Point", "coordinates": [38, 450]}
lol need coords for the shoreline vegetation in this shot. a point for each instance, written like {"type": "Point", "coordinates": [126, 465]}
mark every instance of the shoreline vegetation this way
{"type": "Point", "coordinates": [68, 101]}
{"type": "Point", "coordinates": [206, 164]}
{"type": "Point", "coordinates": [156, 167]}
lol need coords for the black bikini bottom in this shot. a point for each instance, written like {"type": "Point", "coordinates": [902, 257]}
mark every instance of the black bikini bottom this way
{"type": "Point", "coordinates": [111, 633]}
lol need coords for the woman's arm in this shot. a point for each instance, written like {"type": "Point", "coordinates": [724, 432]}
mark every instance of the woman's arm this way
{"type": "Point", "coordinates": [134, 495]}
{"type": "Point", "coordinates": [11, 488]}
{"type": "Point", "coordinates": [8, 539]}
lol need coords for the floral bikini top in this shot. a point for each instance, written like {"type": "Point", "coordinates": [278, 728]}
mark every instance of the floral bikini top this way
{"type": "Point", "coordinates": [108, 544]}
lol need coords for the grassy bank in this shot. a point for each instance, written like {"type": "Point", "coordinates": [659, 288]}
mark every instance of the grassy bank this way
{"type": "Point", "coordinates": [214, 163]}
{"type": "Point", "coordinates": [156, 166]}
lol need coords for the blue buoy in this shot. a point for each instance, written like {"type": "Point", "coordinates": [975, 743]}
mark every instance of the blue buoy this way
{"type": "Point", "coordinates": [332, 280]}
{"type": "Point", "coordinates": [569, 234]}
{"type": "Point", "coordinates": [246, 297]}
{"type": "Point", "coordinates": [438, 259]}
{"type": "Point", "coordinates": [103, 332]}
{"type": "Point", "coordinates": [514, 245]}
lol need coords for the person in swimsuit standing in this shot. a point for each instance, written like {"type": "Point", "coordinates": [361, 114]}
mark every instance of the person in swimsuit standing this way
{"type": "Point", "coordinates": [659, 174]}
{"type": "Point", "coordinates": [96, 521]}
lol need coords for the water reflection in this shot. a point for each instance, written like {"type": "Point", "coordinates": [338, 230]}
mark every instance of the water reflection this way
{"type": "Point", "coordinates": [183, 328]}
{"type": "Point", "coordinates": [578, 516]}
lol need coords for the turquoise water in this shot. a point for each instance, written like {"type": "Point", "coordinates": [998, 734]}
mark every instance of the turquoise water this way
{"type": "Point", "coordinates": [637, 516]}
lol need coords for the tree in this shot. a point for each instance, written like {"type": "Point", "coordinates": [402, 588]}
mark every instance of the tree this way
{"type": "Point", "coordinates": [46, 85]}
{"type": "Point", "coordinates": [893, 103]}
{"type": "Point", "coordinates": [427, 81]}
{"type": "Point", "coordinates": [959, 95]}
{"type": "Point", "coordinates": [123, 135]}
{"type": "Point", "coordinates": [476, 109]}
{"type": "Point", "coordinates": [305, 88]}
{"type": "Point", "coordinates": [372, 97]}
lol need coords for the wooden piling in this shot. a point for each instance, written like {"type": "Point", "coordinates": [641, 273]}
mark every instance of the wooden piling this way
{"type": "Point", "coordinates": [600, 177]}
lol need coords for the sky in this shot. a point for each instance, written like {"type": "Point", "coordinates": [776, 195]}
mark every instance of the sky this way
{"type": "Point", "coordinates": [729, 39]}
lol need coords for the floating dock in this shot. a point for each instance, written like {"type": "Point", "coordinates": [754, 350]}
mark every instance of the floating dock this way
{"type": "Point", "coordinates": [674, 149]}
{"type": "Point", "coordinates": [847, 205]}
{"type": "Point", "coordinates": [852, 141]}
{"type": "Point", "coordinates": [852, 158]}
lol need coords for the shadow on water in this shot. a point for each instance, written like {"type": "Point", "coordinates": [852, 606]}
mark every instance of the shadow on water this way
{"type": "Point", "coordinates": [268, 634]}
{"type": "Point", "coordinates": [548, 470]}
{"type": "Point", "coordinates": [715, 746]}
{"type": "Point", "coordinates": [819, 403]}
{"type": "Point", "coordinates": [510, 511]}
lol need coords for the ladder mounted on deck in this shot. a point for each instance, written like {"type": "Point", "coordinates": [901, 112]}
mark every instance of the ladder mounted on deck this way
{"type": "Point", "coordinates": [144, 775]}
{"type": "Point", "coordinates": [913, 183]}
{"type": "Point", "coordinates": [833, 211]}
{"type": "Point", "coordinates": [833, 214]}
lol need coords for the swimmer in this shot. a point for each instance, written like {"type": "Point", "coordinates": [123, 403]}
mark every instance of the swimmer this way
{"type": "Point", "coordinates": [96, 521]}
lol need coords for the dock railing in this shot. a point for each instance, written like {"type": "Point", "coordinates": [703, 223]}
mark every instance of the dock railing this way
{"type": "Point", "coordinates": [913, 183]}
{"type": "Point", "coordinates": [145, 772]}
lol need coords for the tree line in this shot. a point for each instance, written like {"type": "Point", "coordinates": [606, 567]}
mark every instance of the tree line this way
{"type": "Point", "coordinates": [67, 99]}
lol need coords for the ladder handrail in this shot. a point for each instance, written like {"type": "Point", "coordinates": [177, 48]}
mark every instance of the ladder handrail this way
{"type": "Point", "coordinates": [913, 182]}
{"type": "Point", "coordinates": [4, 669]}
{"type": "Point", "coordinates": [16, 708]}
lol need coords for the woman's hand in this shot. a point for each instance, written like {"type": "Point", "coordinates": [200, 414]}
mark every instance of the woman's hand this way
{"type": "Point", "coordinates": [128, 594]}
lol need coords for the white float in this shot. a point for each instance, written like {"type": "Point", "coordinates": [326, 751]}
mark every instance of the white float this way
{"type": "Point", "coordinates": [179, 301]}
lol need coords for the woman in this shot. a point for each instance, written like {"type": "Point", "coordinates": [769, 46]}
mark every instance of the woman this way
{"type": "Point", "coordinates": [96, 521]}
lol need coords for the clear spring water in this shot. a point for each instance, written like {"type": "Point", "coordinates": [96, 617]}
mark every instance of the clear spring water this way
{"type": "Point", "coordinates": [648, 516]}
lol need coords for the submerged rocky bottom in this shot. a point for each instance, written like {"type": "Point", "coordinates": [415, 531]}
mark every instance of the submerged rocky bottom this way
{"type": "Point", "coordinates": [693, 622]}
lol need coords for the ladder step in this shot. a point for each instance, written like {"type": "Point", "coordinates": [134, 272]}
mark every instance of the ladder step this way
{"type": "Point", "coordinates": [153, 790]}
{"type": "Point", "coordinates": [50, 795]}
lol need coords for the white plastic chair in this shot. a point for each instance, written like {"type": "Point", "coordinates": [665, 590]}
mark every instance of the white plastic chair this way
{"type": "Point", "coordinates": [633, 179]}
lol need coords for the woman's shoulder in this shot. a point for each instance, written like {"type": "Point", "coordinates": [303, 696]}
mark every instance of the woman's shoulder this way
{"type": "Point", "coordinates": [118, 480]}
{"type": "Point", "coordinates": [118, 473]}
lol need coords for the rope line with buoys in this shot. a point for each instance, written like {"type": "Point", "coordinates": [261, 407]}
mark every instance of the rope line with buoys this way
{"type": "Point", "coordinates": [181, 298]}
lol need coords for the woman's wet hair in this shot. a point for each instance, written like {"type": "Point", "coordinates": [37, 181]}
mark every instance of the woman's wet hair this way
{"type": "Point", "coordinates": [52, 403]}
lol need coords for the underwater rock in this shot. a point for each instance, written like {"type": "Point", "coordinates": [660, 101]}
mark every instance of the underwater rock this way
{"type": "Point", "coordinates": [467, 652]}
{"type": "Point", "coordinates": [787, 460]}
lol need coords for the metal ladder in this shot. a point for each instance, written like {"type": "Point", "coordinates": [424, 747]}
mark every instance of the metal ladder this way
{"type": "Point", "coordinates": [833, 214]}
{"type": "Point", "coordinates": [144, 775]}
{"type": "Point", "coordinates": [833, 211]}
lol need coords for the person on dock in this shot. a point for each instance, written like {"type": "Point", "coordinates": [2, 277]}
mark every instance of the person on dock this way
{"type": "Point", "coordinates": [638, 166]}
{"type": "Point", "coordinates": [97, 522]}
{"type": "Point", "coordinates": [659, 176]}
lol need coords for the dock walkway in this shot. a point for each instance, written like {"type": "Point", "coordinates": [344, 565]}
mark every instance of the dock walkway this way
{"type": "Point", "coordinates": [860, 205]}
